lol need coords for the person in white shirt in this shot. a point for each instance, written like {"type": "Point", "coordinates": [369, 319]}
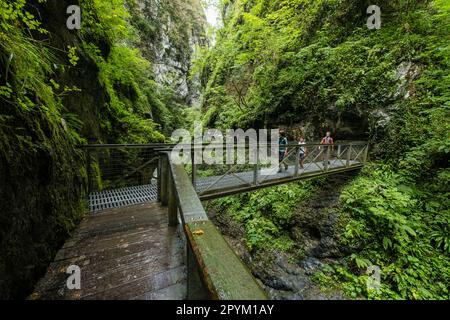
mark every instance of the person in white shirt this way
{"type": "Point", "coordinates": [302, 152]}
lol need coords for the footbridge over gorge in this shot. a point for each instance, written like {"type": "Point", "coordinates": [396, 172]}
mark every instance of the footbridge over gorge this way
{"type": "Point", "coordinates": [147, 235]}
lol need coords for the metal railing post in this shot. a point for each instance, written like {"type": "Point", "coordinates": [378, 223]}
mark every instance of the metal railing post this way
{"type": "Point", "coordinates": [366, 153]}
{"type": "Point", "coordinates": [194, 170]}
{"type": "Point", "coordinates": [327, 155]}
{"type": "Point", "coordinates": [297, 162]}
{"type": "Point", "coordinates": [349, 155]}
{"type": "Point", "coordinates": [159, 182]}
{"type": "Point", "coordinates": [165, 180]}
{"type": "Point", "coordinates": [256, 168]}
{"type": "Point", "coordinates": [173, 206]}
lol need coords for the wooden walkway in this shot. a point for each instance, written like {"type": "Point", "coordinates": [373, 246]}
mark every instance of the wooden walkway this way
{"type": "Point", "coordinates": [124, 253]}
{"type": "Point", "coordinates": [127, 250]}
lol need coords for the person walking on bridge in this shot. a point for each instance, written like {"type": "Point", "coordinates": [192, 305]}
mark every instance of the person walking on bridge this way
{"type": "Point", "coordinates": [328, 142]}
{"type": "Point", "coordinates": [283, 150]}
{"type": "Point", "coordinates": [302, 152]}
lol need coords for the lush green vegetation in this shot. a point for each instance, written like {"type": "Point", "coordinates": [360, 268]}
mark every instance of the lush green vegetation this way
{"type": "Point", "coordinates": [403, 228]}
{"type": "Point", "coordinates": [125, 74]}
{"type": "Point", "coordinates": [32, 136]}
{"type": "Point", "coordinates": [288, 61]}
{"type": "Point", "coordinates": [308, 65]}
{"type": "Point", "coordinates": [266, 215]}
{"type": "Point", "coordinates": [109, 40]}
{"type": "Point", "coordinates": [315, 64]}
{"type": "Point", "coordinates": [60, 88]}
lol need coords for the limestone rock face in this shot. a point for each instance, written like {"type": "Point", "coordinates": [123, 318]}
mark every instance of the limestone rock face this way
{"type": "Point", "coordinates": [171, 31]}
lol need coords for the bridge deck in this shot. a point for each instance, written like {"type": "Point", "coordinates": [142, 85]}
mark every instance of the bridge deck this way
{"type": "Point", "coordinates": [148, 193]}
{"type": "Point", "coordinates": [126, 253]}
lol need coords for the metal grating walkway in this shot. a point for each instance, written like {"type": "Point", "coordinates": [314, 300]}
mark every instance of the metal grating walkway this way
{"type": "Point", "coordinates": [109, 199]}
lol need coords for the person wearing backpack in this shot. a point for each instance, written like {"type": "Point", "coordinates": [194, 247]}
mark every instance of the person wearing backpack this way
{"type": "Point", "coordinates": [282, 142]}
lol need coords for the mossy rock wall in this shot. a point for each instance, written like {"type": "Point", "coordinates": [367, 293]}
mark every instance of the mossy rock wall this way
{"type": "Point", "coordinates": [60, 88]}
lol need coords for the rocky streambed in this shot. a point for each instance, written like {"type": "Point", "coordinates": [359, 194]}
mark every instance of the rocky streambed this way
{"type": "Point", "coordinates": [315, 228]}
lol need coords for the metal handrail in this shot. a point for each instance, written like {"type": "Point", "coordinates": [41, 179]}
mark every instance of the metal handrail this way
{"type": "Point", "coordinates": [112, 146]}
{"type": "Point", "coordinates": [165, 146]}
{"type": "Point", "coordinates": [348, 156]}
{"type": "Point", "coordinates": [214, 270]}
{"type": "Point", "coordinates": [119, 165]}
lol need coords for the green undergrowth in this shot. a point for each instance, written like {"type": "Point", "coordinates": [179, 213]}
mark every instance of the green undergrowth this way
{"type": "Point", "coordinates": [41, 174]}
{"type": "Point", "coordinates": [315, 64]}
{"type": "Point", "coordinates": [400, 227]}
{"type": "Point", "coordinates": [266, 215]}
{"type": "Point", "coordinates": [126, 76]}
{"type": "Point", "coordinates": [56, 88]}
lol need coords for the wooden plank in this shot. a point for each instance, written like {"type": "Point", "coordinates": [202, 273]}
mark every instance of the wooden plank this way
{"type": "Point", "coordinates": [223, 273]}
{"type": "Point", "coordinates": [123, 261]}
{"type": "Point", "coordinates": [190, 205]}
{"type": "Point", "coordinates": [121, 224]}
{"type": "Point", "coordinates": [98, 278]}
{"type": "Point", "coordinates": [144, 286]}
{"type": "Point", "coordinates": [175, 292]}
{"type": "Point", "coordinates": [98, 241]}
{"type": "Point", "coordinates": [117, 248]}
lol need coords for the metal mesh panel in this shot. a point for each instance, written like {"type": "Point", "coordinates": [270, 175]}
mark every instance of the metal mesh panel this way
{"type": "Point", "coordinates": [121, 175]}
{"type": "Point", "coordinates": [122, 197]}
{"type": "Point", "coordinates": [113, 168]}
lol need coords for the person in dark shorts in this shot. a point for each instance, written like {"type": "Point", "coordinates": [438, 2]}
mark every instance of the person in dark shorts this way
{"type": "Point", "coordinates": [282, 142]}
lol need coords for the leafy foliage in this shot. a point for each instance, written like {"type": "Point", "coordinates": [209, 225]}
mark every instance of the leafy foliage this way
{"type": "Point", "coordinates": [295, 61]}
{"type": "Point", "coordinates": [393, 226]}
{"type": "Point", "coordinates": [36, 153]}
{"type": "Point", "coordinates": [306, 62]}
{"type": "Point", "coordinates": [43, 173]}
{"type": "Point", "coordinates": [267, 216]}
{"type": "Point", "coordinates": [125, 74]}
